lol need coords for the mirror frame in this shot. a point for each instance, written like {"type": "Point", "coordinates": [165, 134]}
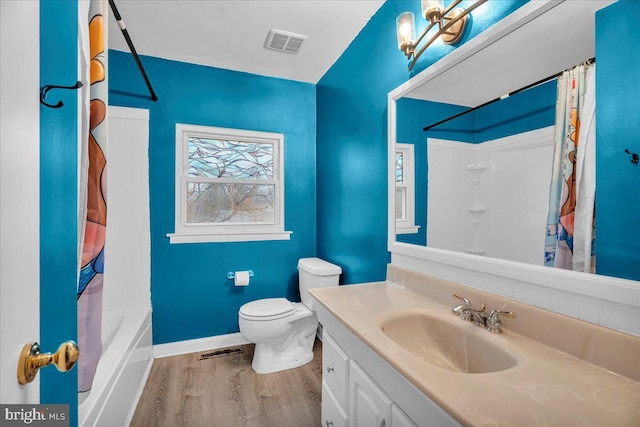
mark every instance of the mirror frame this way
{"type": "Point", "coordinates": [443, 263]}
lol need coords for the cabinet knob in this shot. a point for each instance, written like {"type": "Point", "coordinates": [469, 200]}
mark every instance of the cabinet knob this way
{"type": "Point", "coordinates": [329, 423]}
{"type": "Point", "coordinates": [329, 369]}
{"type": "Point", "coordinates": [383, 423]}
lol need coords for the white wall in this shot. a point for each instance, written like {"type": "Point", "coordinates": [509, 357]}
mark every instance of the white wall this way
{"type": "Point", "coordinates": [127, 277]}
{"type": "Point", "coordinates": [491, 198]}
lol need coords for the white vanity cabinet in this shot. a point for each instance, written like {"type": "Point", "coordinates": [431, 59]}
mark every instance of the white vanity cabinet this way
{"type": "Point", "coordinates": [360, 389]}
{"type": "Point", "coordinates": [335, 384]}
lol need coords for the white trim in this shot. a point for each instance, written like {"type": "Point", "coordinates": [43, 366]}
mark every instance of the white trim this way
{"type": "Point", "coordinates": [199, 344]}
{"type": "Point", "coordinates": [408, 224]}
{"type": "Point", "coordinates": [227, 232]}
{"type": "Point", "coordinates": [227, 237]}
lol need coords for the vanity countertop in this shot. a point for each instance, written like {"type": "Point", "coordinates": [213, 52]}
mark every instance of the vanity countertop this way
{"type": "Point", "coordinates": [547, 387]}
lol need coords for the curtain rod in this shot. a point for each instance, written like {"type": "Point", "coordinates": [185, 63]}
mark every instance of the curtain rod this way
{"type": "Point", "coordinates": [529, 86]}
{"type": "Point", "coordinates": [132, 48]}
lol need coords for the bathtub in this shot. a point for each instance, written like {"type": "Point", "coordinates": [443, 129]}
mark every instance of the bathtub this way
{"type": "Point", "coordinates": [122, 371]}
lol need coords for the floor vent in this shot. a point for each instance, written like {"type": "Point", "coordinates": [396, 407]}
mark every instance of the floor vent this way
{"type": "Point", "coordinates": [218, 353]}
{"type": "Point", "coordinates": [284, 41]}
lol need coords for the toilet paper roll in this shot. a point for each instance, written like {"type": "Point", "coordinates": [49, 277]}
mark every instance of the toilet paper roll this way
{"type": "Point", "coordinates": [242, 278]}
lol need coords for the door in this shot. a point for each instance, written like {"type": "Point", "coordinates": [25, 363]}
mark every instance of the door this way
{"type": "Point", "coordinates": [39, 224]}
{"type": "Point", "coordinates": [19, 180]}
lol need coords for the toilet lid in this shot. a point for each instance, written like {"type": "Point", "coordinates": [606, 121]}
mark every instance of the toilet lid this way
{"type": "Point", "coordinates": [267, 309]}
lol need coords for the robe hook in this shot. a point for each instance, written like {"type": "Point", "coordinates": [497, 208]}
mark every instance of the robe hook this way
{"type": "Point", "coordinates": [46, 88]}
{"type": "Point", "coordinates": [634, 157]}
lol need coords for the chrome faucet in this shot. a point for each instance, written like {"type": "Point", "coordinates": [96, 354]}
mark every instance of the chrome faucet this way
{"type": "Point", "coordinates": [466, 311]}
{"type": "Point", "coordinates": [491, 322]}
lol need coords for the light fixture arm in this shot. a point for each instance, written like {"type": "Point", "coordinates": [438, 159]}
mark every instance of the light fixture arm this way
{"type": "Point", "coordinates": [443, 28]}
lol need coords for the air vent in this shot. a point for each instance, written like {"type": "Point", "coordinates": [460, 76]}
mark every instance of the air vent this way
{"type": "Point", "coordinates": [284, 41]}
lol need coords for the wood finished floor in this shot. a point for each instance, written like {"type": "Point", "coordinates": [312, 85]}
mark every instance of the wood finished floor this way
{"type": "Point", "coordinates": [183, 391]}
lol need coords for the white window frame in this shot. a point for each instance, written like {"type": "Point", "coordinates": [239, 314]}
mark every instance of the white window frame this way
{"type": "Point", "coordinates": [407, 225]}
{"type": "Point", "coordinates": [226, 232]}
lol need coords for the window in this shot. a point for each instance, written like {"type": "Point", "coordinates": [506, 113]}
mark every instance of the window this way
{"type": "Point", "coordinates": [229, 185]}
{"type": "Point", "coordinates": [405, 190]}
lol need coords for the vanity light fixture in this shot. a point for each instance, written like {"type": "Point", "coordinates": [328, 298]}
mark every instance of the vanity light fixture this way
{"type": "Point", "coordinates": [451, 22]}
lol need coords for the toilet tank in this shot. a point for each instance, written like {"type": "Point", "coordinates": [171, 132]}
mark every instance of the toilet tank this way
{"type": "Point", "coordinates": [316, 273]}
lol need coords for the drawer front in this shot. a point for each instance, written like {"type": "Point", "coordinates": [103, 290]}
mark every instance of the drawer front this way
{"type": "Point", "coordinates": [335, 364]}
{"type": "Point", "coordinates": [332, 413]}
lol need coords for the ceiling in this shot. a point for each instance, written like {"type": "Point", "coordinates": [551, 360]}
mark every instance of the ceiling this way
{"type": "Point", "coordinates": [231, 34]}
{"type": "Point", "coordinates": [556, 40]}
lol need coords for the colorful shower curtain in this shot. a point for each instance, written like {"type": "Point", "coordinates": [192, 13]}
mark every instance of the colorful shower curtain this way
{"type": "Point", "coordinates": [571, 222]}
{"type": "Point", "coordinates": [92, 189]}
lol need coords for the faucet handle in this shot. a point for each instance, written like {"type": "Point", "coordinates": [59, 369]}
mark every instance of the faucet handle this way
{"type": "Point", "coordinates": [494, 324]}
{"type": "Point", "coordinates": [460, 297]}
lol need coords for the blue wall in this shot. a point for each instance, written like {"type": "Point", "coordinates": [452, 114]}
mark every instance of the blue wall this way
{"type": "Point", "coordinates": [190, 294]}
{"type": "Point", "coordinates": [352, 139]}
{"type": "Point", "coordinates": [58, 198]}
{"type": "Point", "coordinates": [532, 109]}
{"type": "Point", "coordinates": [617, 129]}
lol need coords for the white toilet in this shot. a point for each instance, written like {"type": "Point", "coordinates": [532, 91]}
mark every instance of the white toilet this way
{"type": "Point", "coordinates": [284, 331]}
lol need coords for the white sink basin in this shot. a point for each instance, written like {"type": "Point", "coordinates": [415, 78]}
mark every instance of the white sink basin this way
{"type": "Point", "coordinates": [446, 342]}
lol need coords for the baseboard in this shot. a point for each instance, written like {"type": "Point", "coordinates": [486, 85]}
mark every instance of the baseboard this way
{"type": "Point", "coordinates": [200, 344]}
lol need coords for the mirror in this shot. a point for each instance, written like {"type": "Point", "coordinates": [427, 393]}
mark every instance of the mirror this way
{"type": "Point", "coordinates": [504, 146]}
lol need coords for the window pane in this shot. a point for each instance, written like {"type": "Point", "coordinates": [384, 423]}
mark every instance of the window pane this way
{"type": "Point", "coordinates": [215, 158]}
{"type": "Point", "coordinates": [229, 203]}
{"type": "Point", "coordinates": [401, 204]}
{"type": "Point", "coordinates": [399, 166]}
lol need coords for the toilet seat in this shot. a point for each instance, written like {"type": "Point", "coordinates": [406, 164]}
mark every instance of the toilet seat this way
{"type": "Point", "coordinates": [267, 309]}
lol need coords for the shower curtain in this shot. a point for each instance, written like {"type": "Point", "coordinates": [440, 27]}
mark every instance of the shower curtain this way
{"type": "Point", "coordinates": [571, 219]}
{"type": "Point", "coordinates": [92, 189]}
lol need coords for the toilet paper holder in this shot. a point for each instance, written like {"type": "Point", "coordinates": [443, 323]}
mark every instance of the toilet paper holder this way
{"type": "Point", "coordinates": [232, 274]}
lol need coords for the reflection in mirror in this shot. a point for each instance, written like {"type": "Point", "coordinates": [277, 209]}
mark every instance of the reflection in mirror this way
{"type": "Point", "coordinates": [482, 181]}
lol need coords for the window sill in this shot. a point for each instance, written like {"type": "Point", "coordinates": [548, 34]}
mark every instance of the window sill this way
{"type": "Point", "coordinates": [407, 229]}
{"type": "Point", "coordinates": [229, 237]}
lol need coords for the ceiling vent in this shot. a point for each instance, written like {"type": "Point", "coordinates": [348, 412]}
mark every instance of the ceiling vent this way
{"type": "Point", "coordinates": [284, 41]}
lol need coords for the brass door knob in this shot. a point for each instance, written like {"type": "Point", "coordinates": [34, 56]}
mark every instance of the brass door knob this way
{"type": "Point", "coordinates": [31, 360]}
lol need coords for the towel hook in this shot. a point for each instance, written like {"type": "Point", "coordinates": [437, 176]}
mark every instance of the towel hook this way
{"type": "Point", "coordinates": [634, 157]}
{"type": "Point", "coordinates": [46, 88]}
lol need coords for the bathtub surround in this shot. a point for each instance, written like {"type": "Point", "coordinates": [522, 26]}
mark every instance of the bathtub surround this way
{"type": "Point", "coordinates": [126, 313]}
{"type": "Point", "coordinates": [191, 295]}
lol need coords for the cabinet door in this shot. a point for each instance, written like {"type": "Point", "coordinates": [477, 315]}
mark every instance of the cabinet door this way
{"type": "Point", "coordinates": [399, 418]}
{"type": "Point", "coordinates": [332, 413]}
{"type": "Point", "coordinates": [369, 406]}
{"type": "Point", "coordinates": [336, 369]}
